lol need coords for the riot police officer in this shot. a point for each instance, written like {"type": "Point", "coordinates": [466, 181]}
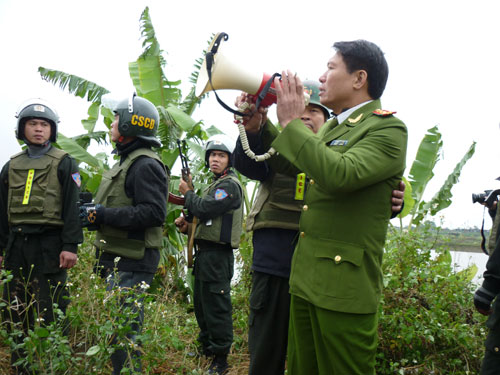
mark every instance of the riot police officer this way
{"type": "Point", "coordinates": [220, 215]}
{"type": "Point", "coordinates": [39, 225]}
{"type": "Point", "coordinates": [129, 211]}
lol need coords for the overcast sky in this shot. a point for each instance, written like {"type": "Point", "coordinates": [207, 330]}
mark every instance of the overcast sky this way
{"type": "Point", "coordinates": [443, 58]}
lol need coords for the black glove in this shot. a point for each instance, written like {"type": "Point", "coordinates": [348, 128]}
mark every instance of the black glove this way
{"type": "Point", "coordinates": [482, 300]}
{"type": "Point", "coordinates": [91, 215]}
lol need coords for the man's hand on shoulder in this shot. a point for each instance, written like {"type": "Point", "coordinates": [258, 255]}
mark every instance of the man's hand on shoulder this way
{"type": "Point", "coordinates": [398, 198]}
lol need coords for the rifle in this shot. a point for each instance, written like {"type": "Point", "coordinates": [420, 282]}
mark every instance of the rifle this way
{"type": "Point", "coordinates": [185, 172]}
{"type": "Point", "coordinates": [176, 199]}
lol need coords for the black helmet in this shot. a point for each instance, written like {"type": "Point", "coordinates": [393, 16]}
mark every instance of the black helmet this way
{"type": "Point", "coordinates": [312, 88]}
{"type": "Point", "coordinates": [36, 108]}
{"type": "Point", "coordinates": [138, 118]}
{"type": "Point", "coordinates": [219, 142]}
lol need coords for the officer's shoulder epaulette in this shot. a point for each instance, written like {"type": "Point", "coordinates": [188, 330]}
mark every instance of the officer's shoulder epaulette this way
{"type": "Point", "coordinates": [383, 112]}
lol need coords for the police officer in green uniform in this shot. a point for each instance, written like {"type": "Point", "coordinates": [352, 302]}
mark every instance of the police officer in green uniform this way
{"type": "Point", "coordinates": [39, 224]}
{"type": "Point", "coordinates": [274, 220]}
{"type": "Point", "coordinates": [129, 212]}
{"type": "Point", "coordinates": [354, 162]}
{"type": "Point", "coordinates": [486, 295]}
{"type": "Point", "coordinates": [218, 232]}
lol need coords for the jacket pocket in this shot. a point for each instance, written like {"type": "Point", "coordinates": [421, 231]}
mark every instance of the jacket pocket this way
{"type": "Point", "coordinates": [338, 270]}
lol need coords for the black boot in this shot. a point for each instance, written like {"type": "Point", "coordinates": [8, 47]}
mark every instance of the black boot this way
{"type": "Point", "coordinates": [201, 351]}
{"type": "Point", "coordinates": [219, 365]}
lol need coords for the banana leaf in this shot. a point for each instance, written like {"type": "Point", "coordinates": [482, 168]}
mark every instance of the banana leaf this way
{"type": "Point", "coordinates": [442, 199]}
{"type": "Point", "coordinates": [75, 85]}
{"type": "Point", "coordinates": [421, 171]}
{"type": "Point", "coordinates": [78, 152]}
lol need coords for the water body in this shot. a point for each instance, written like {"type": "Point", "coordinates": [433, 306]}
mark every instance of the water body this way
{"type": "Point", "coordinates": [464, 259]}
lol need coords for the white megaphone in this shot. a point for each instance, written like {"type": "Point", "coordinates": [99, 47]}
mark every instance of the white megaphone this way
{"type": "Point", "coordinates": [218, 72]}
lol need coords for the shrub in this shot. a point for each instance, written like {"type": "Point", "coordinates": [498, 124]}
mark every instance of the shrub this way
{"type": "Point", "coordinates": [428, 324]}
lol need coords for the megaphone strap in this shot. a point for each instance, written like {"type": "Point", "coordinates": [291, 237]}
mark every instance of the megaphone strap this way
{"type": "Point", "coordinates": [265, 89]}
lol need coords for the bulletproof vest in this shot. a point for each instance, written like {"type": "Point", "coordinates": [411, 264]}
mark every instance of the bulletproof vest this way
{"type": "Point", "coordinates": [35, 193]}
{"type": "Point", "coordinates": [494, 232]}
{"type": "Point", "coordinates": [276, 205]}
{"type": "Point", "coordinates": [111, 193]}
{"type": "Point", "coordinates": [226, 228]}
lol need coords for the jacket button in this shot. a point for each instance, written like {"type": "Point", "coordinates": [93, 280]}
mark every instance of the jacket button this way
{"type": "Point", "coordinates": [496, 349]}
{"type": "Point", "coordinates": [302, 234]}
{"type": "Point", "coordinates": [305, 208]}
{"type": "Point", "coordinates": [338, 258]}
{"type": "Point", "coordinates": [311, 181]}
{"type": "Point", "coordinates": [19, 229]}
{"type": "Point", "coordinates": [222, 291]}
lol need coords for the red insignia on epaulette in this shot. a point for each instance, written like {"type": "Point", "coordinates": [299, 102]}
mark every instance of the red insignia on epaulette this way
{"type": "Point", "coordinates": [383, 112]}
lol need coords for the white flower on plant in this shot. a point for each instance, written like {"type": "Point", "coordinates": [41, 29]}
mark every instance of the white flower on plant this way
{"type": "Point", "coordinates": [144, 285]}
{"type": "Point", "coordinates": [40, 319]}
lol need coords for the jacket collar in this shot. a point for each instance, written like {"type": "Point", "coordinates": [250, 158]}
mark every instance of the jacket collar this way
{"type": "Point", "coordinates": [356, 118]}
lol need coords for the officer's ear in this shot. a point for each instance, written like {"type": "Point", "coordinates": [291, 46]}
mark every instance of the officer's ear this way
{"type": "Point", "coordinates": [360, 79]}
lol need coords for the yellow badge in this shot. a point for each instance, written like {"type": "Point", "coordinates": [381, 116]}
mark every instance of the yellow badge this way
{"type": "Point", "coordinates": [355, 120]}
{"type": "Point", "coordinates": [29, 184]}
{"type": "Point", "coordinates": [300, 187]}
{"type": "Point", "coordinates": [383, 112]}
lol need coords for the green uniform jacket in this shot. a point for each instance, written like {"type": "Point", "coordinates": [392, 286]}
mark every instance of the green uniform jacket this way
{"type": "Point", "coordinates": [353, 169]}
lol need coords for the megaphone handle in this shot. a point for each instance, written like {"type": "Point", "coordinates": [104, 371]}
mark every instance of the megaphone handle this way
{"type": "Point", "coordinates": [265, 89]}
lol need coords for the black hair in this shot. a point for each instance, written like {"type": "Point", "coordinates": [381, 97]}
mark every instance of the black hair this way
{"type": "Point", "coordinates": [364, 55]}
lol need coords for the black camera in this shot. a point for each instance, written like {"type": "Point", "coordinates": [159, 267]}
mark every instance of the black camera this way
{"type": "Point", "coordinates": [488, 197]}
{"type": "Point", "coordinates": [85, 201]}
{"type": "Point", "coordinates": [85, 198]}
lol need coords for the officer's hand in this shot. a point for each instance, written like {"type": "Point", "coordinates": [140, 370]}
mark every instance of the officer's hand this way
{"type": "Point", "coordinates": [67, 259]}
{"type": "Point", "coordinates": [290, 98]}
{"type": "Point", "coordinates": [184, 186]}
{"type": "Point", "coordinates": [181, 224]}
{"type": "Point", "coordinates": [398, 197]}
{"type": "Point", "coordinates": [255, 117]}
{"type": "Point", "coordinates": [91, 214]}
{"type": "Point", "coordinates": [482, 301]}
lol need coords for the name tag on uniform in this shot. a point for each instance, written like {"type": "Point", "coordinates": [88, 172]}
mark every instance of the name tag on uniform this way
{"type": "Point", "coordinates": [339, 142]}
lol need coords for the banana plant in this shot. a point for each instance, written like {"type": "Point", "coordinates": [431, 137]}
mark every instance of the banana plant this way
{"type": "Point", "coordinates": [421, 172]}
